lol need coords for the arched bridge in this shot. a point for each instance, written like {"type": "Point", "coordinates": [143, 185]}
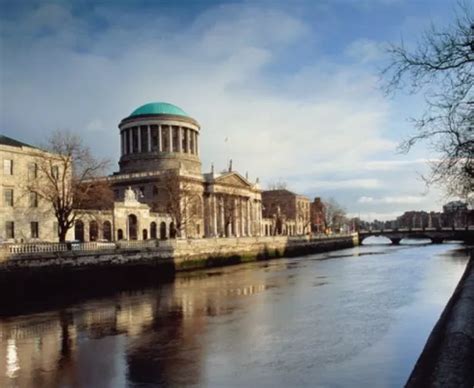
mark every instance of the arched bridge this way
{"type": "Point", "coordinates": [436, 235]}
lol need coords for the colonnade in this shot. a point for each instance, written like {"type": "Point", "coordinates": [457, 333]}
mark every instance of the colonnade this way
{"type": "Point", "coordinates": [233, 215]}
{"type": "Point", "coordinates": [159, 138]}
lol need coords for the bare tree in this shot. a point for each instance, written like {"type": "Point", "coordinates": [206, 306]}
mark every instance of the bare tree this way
{"type": "Point", "coordinates": [334, 214]}
{"type": "Point", "coordinates": [182, 201]}
{"type": "Point", "coordinates": [442, 67]}
{"type": "Point", "coordinates": [67, 177]}
{"type": "Point", "coordinates": [278, 185]}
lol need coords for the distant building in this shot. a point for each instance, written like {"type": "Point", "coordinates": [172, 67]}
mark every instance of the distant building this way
{"type": "Point", "coordinates": [286, 213]}
{"type": "Point", "coordinates": [318, 224]}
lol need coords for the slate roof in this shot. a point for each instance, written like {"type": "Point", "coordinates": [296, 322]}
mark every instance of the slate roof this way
{"type": "Point", "coordinates": [5, 140]}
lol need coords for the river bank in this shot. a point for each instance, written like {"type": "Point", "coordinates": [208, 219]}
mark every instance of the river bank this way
{"type": "Point", "coordinates": [448, 357]}
{"type": "Point", "coordinates": [28, 276]}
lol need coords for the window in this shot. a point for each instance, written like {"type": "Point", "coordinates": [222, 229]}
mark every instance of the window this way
{"type": "Point", "coordinates": [141, 191]}
{"type": "Point", "coordinates": [7, 167]}
{"type": "Point", "coordinates": [154, 137]}
{"type": "Point", "coordinates": [184, 145]}
{"type": "Point", "coordinates": [175, 139]}
{"type": "Point", "coordinates": [8, 197]}
{"type": "Point", "coordinates": [135, 139]}
{"type": "Point", "coordinates": [144, 138]}
{"type": "Point", "coordinates": [165, 138]}
{"type": "Point", "coordinates": [33, 199]}
{"type": "Point", "coordinates": [10, 229]}
{"type": "Point", "coordinates": [155, 191]}
{"type": "Point", "coordinates": [32, 170]}
{"type": "Point", "coordinates": [34, 227]}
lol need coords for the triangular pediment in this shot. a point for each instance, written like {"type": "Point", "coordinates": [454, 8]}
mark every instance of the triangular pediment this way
{"type": "Point", "coordinates": [233, 179]}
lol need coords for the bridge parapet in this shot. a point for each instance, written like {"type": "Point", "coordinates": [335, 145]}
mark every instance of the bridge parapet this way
{"type": "Point", "coordinates": [436, 235]}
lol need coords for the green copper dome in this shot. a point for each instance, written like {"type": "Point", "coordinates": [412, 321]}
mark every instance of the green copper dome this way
{"type": "Point", "coordinates": [159, 108]}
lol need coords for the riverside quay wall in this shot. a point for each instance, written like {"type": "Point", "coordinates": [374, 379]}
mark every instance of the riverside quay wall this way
{"type": "Point", "coordinates": [179, 254]}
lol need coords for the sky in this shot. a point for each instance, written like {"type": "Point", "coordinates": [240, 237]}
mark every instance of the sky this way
{"type": "Point", "coordinates": [290, 91]}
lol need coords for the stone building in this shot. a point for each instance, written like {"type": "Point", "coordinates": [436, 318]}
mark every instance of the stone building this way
{"type": "Point", "coordinates": [159, 190]}
{"type": "Point", "coordinates": [160, 163]}
{"type": "Point", "coordinates": [318, 224]}
{"type": "Point", "coordinates": [24, 216]}
{"type": "Point", "coordinates": [287, 213]}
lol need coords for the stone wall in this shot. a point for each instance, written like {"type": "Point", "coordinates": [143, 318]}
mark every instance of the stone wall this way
{"type": "Point", "coordinates": [182, 254]}
{"type": "Point", "coordinates": [448, 357]}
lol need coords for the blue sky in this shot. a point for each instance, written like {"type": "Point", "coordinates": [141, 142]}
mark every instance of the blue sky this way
{"type": "Point", "coordinates": [293, 86]}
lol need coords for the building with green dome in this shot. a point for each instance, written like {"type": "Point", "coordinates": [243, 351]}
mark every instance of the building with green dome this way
{"type": "Point", "coordinates": [160, 163]}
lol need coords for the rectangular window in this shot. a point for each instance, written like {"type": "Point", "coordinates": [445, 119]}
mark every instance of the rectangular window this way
{"type": "Point", "coordinates": [185, 140]}
{"type": "Point", "coordinates": [34, 227]}
{"type": "Point", "coordinates": [8, 197]}
{"type": "Point", "coordinates": [165, 138]}
{"type": "Point", "coordinates": [10, 229]}
{"type": "Point", "coordinates": [154, 137]}
{"type": "Point", "coordinates": [144, 138]}
{"type": "Point", "coordinates": [135, 139]}
{"type": "Point", "coordinates": [175, 139]}
{"type": "Point", "coordinates": [33, 199]}
{"type": "Point", "coordinates": [32, 170]}
{"type": "Point", "coordinates": [7, 167]}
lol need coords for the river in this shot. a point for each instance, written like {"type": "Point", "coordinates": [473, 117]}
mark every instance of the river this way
{"type": "Point", "coordinates": [352, 317]}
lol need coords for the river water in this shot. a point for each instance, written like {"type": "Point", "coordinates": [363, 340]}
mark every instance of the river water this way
{"type": "Point", "coordinates": [352, 317]}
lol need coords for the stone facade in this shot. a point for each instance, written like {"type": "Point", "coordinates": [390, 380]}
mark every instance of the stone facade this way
{"type": "Point", "coordinates": [289, 212]}
{"type": "Point", "coordinates": [24, 216]}
{"type": "Point", "coordinates": [161, 150]}
{"type": "Point", "coordinates": [160, 191]}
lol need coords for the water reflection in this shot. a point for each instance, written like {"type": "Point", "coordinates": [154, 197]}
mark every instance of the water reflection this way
{"type": "Point", "coordinates": [284, 322]}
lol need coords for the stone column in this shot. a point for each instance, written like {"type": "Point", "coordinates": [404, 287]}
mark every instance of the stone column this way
{"type": "Point", "coordinates": [241, 216]}
{"type": "Point", "coordinates": [214, 215]}
{"type": "Point", "coordinates": [235, 223]}
{"type": "Point", "coordinates": [222, 231]}
{"type": "Point", "coordinates": [249, 230]}
{"type": "Point", "coordinates": [195, 143]}
{"type": "Point", "coordinates": [122, 143]}
{"type": "Point", "coordinates": [160, 139]}
{"type": "Point", "coordinates": [180, 139]}
{"type": "Point", "coordinates": [170, 135]}
{"type": "Point", "coordinates": [130, 140]}
{"type": "Point", "coordinates": [149, 138]}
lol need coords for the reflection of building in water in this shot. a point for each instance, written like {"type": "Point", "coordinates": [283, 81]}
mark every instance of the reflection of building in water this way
{"type": "Point", "coordinates": [31, 348]}
{"type": "Point", "coordinates": [148, 337]}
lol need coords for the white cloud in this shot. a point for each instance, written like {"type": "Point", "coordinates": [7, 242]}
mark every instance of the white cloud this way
{"type": "Point", "coordinates": [319, 118]}
{"type": "Point", "coordinates": [365, 50]}
{"type": "Point", "coordinates": [404, 199]}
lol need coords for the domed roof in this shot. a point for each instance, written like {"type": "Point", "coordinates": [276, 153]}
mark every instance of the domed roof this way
{"type": "Point", "coordinates": [158, 108]}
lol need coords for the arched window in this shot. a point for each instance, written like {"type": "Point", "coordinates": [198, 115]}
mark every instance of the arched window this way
{"type": "Point", "coordinates": [163, 231]}
{"type": "Point", "coordinates": [120, 234]}
{"type": "Point", "coordinates": [145, 234]}
{"type": "Point", "coordinates": [107, 230]}
{"type": "Point", "coordinates": [132, 227]}
{"type": "Point", "coordinates": [153, 230]}
{"type": "Point", "coordinates": [79, 231]}
{"type": "Point", "coordinates": [172, 230]}
{"type": "Point", "coordinates": [93, 231]}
